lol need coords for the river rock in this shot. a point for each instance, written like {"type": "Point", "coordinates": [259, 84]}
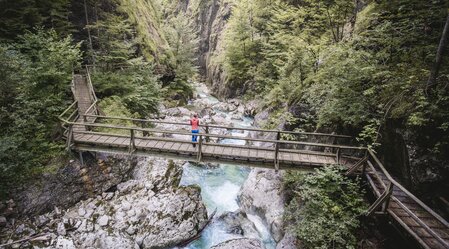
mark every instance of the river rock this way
{"type": "Point", "coordinates": [178, 111]}
{"type": "Point", "coordinates": [238, 223]}
{"type": "Point", "coordinates": [103, 220]}
{"type": "Point", "coordinates": [64, 243]}
{"type": "Point", "coordinates": [251, 108]}
{"type": "Point", "coordinates": [2, 221]}
{"type": "Point", "coordinates": [243, 243]}
{"type": "Point", "coordinates": [262, 194]}
{"type": "Point", "coordinates": [288, 242]}
{"type": "Point", "coordinates": [61, 229]}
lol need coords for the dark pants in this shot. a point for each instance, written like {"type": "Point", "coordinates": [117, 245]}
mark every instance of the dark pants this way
{"type": "Point", "coordinates": [195, 137]}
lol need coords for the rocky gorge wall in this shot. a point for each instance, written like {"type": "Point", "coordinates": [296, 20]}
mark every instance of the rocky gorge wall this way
{"type": "Point", "coordinates": [210, 19]}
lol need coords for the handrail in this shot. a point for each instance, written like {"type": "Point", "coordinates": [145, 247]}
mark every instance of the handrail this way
{"type": "Point", "coordinates": [60, 117]}
{"type": "Point", "coordinates": [91, 87]}
{"type": "Point", "coordinates": [413, 197]}
{"type": "Point", "coordinates": [216, 136]}
{"type": "Point", "coordinates": [219, 127]}
{"type": "Point", "coordinates": [90, 107]}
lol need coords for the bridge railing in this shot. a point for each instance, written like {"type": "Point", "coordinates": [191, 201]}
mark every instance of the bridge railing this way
{"type": "Point", "coordinates": [69, 116]}
{"type": "Point", "coordinates": [207, 128]}
{"type": "Point", "coordinates": [389, 184]}
{"type": "Point", "coordinates": [135, 132]}
{"type": "Point", "coordinates": [93, 108]}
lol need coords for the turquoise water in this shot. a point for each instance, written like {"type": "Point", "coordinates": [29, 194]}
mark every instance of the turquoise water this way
{"type": "Point", "coordinates": [220, 185]}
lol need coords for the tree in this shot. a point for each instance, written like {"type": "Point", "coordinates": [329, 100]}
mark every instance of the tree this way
{"type": "Point", "coordinates": [439, 56]}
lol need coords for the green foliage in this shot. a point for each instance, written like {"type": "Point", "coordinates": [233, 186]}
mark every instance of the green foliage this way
{"type": "Point", "coordinates": [349, 67]}
{"type": "Point", "coordinates": [325, 214]}
{"type": "Point", "coordinates": [18, 16]}
{"type": "Point", "coordinates": [136, 86]}
{"type": "Point", "coordinates": [37, 72]}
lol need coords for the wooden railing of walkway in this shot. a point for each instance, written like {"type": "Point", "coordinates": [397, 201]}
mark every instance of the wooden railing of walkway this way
{"type": "Point", "coordinates": [144, 136]}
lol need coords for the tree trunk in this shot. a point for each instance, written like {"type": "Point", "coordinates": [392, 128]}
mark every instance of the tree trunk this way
{"type": "Point", "coordinates": [88, 32]}
{"type": "Point", "coordinates": [439, 57]}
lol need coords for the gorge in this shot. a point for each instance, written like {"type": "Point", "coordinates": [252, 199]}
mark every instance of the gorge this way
{"type": "Point", "coordinates": [359, 68]}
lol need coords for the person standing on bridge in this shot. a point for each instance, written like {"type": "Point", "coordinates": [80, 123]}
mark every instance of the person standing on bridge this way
{"type": "Point", "coordinates": [195, 122]}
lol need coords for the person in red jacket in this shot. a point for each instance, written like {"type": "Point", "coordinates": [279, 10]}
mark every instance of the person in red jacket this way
{"type": "Point", "coordinates": [195, 122]}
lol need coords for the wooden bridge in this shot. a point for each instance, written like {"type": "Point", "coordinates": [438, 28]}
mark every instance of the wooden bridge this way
{"type": "Point", "coordinates": [87, 130]}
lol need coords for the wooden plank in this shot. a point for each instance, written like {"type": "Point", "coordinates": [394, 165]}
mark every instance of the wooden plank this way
{"type": "Point", "coordinates": [227, 151]}
{"type": "Point", "coordinates": [176, 146]}
{"type": "Point", "coordinates": [244, 153]}
{"type": "Point", "coordinates": [167, 145]}
{"type": "Point", "coordinates": [111, 139]}
{"type": "Point", "coordinates": [296, 157]}
{"type": "Point", "coordinates": [150, 144]}
{"type": "Point", "coordinates": [158, 145]}
{"type": "Point", "coordinates": [252, 153]}
{"type": "Point", "coordinates": [102, 139]}
{"type": "Point", "coordinates": [208, 149]}
{"type": "Point", "coordinates": [126, 141]}
{"type": "Point", "coordinates": [287, 157]}
{"type": "Point", "coordinates": [119, 141]}
{"type": "Point", "coordinates": [219, 150]}
{"type": "Point", "coordinates": [186, 147]}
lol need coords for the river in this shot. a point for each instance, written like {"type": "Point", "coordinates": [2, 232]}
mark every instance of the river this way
{"type": "Point", "coordinates": [220, 185]}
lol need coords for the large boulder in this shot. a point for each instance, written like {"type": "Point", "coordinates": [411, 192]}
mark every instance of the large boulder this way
{"type": "Point", "coordinates": [73, 182]}
{"type": "Point", "coordinates": [150, 211]}
{"type": "Point", "coordinates": [288, 242]}
{"type": "Point", "coordinates": [262, 194]}
{"type": "Point", "coordinates": [239, 224]}
{"type": "Point", "coordinates": [243, 243]}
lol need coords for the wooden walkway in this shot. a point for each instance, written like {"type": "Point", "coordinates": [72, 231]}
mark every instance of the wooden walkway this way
{"type": "Point", "coordinates": [87, 130]}
{"type": "Point", "coordinates": [222, 153]}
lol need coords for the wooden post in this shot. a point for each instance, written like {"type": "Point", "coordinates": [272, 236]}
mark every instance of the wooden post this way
{"type": "Point", "coordinates": [338, 155]}
{"type": "Point", "coordinates": [85, 121]}
{"type": "Point", "coordinates": [207, 132]}
{"type": "Point", "coordinates": [81, 158]}
{"type": "Point", "coordinates": [200, 142]}
{"type": "Point", "coordinates": [69, 137]}
{"type": "Point", "coordinates": [144, 133]}
{"type": "Point", "coordinates": [276, 151]}
{"type": "Point", "coordinates": [389, 191]}
{"type": "Point", "coordinates": [383, 200]}
{"type": "Point", "coordinates": [132, 142]}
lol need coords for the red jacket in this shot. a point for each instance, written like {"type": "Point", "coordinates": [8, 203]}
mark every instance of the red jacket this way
{"type": "Point", "coordinates": [195, 122]}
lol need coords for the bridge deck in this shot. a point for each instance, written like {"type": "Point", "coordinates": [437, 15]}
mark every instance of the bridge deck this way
{"type": "Point", "coordinates": [211, 151]}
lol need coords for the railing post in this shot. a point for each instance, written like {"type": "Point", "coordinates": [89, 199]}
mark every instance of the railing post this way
{"type": "Point", "coordinates": [364, 165]}
{"type": "Point", "coordinates": [85, 121]}
{"type": "Point", "coordinates": [69, 137]}
{"type": "Point", "coordinates": [338, 155]}
{"type": "Point", "coordinates": [207, 132]}
{"type": "Point", "coordinates": [132, 142]}
{"type": "Point", "coordinates": [276, 151]}
{"type": "Point", "coordinates": [384, 200]}
{"type": "Point", "coordinates": [200, 143]}
{"type": "Point", "coordinates": [389, 191]}
{"type": "Point", "coordinates": [144, 133]}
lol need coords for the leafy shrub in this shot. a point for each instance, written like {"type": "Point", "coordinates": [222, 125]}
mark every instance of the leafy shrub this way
{"type": "Point", "coordinates": [325, 212]}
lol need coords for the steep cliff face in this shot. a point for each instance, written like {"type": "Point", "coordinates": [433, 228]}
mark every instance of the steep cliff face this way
{"type": "Point", "coordinates": [146, 17]}
{"type": "Point", "coordinates": [210, 19]}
